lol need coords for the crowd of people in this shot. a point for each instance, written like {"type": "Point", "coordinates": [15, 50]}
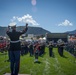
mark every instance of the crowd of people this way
{"type": "Point", "coordinates": [37, 48]}
{"type": "Point", "coordinates": [71, 47]}
{"type": "Point", "coordinates": [33, 48]}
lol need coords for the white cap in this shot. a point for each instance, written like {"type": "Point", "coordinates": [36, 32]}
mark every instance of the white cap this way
{"type": "Point", "coordinates": [13, 24]}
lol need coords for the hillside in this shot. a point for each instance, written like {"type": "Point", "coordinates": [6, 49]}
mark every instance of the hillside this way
{"type": "Point", "coordinates": [31, 30]}
{"type": "Point", "coordinates": [2, 31]}
{"type": "Point", "coordinates": [35, 30]}
{"type": "Point", "coordinates": [71, 32]}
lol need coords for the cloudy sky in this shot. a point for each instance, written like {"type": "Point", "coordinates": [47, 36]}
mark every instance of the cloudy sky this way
{"type": "Point", "coordinates": [53, 15]}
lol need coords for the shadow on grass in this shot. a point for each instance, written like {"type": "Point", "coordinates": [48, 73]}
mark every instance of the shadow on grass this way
{"type": "Point", "coordinates": [64, 56]}
{"type": "Point", "coordinates": [38, 62]}
{"type": "Point", "coordinates": [3, 53]}
{"type": "Point", "coordinates": [7, 60]}
{"type": "Point", "coordinates": [42, 55]}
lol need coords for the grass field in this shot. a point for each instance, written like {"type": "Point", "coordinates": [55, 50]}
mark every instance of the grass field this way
{"type": "Point", "coordinates": [49, 65]}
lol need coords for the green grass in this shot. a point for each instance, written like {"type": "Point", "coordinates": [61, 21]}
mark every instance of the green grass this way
{"type": "Point", "coordinates": [49, 65]}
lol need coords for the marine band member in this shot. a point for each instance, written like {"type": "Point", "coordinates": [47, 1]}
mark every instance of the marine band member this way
{"type": "Point", "coordinates": [15, 47]}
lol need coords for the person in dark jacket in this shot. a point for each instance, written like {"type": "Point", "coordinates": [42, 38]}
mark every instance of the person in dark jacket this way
{"type": "Point", "coordinates": [50, 49]}
{"type": "Point", "coordinates": [15, 48]}
{"type": "Point", "coordinates": [60, 47]}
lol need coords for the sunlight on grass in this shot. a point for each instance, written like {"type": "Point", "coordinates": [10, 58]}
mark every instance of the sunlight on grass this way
{"type": "Point", "coordinates": [55, 65]}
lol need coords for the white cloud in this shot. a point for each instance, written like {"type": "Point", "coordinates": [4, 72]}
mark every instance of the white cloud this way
{"type": "Point", "coordinates": [14, 18]}
{"type": "Point", "coordinates": [25, 19]}
{"type": "Point", "coordinates": [66, 23]}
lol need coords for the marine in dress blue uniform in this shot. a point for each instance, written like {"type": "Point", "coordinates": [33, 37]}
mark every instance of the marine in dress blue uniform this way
{"type": "Point", "coordinates": [15, 48]}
